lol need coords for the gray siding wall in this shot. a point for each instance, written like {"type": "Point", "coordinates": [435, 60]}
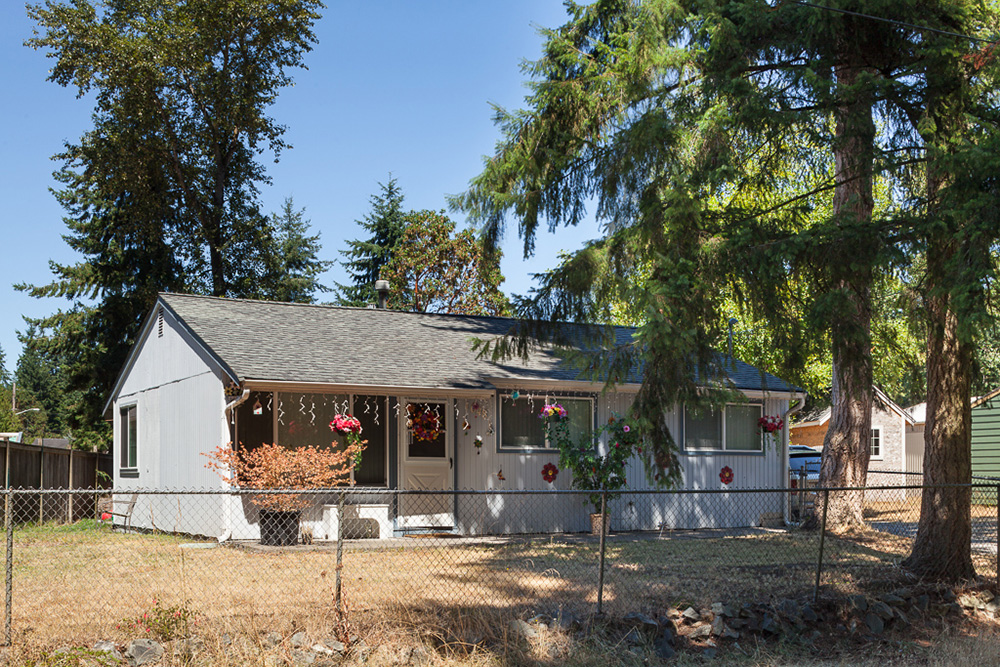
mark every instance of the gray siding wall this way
{"type": "Point", "coordinates": [639, 512]}
{"type": "Point", "coordinates": [893, 460]}
{"type": "Point", "coordinates": [180, 399]}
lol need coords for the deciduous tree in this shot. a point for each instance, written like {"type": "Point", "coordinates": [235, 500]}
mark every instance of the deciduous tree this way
{"type": "Point", "coordinates": [435, 270]}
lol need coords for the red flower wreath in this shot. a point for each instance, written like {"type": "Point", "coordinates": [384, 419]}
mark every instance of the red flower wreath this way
{"type": "Point", "coordinates": [549, 472]}
{"type": "Point", "coordinates": [425, 426]}
{"type": "Point", "coordinates": [726, 475]}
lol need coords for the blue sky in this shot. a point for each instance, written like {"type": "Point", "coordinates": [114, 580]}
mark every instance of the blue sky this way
{"type": "Point", "coordinates": [392, 86]}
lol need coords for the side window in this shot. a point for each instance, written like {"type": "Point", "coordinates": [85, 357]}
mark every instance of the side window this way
{"type": "Point", "coordinates": [876, 444]}
{"type": "Point", "coordinates": [129, 437]}
{"type": "Point", "coordinates": [734, 428]}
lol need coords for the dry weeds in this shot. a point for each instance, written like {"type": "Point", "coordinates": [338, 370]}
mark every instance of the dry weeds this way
{"type": "Point", "coordinates": [76, 583]}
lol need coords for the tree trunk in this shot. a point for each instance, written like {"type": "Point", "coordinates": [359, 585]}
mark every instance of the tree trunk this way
{"type": "Point", "coordinates": [846, 446]}
{"type": "Point", "coordinates": [942, 549]}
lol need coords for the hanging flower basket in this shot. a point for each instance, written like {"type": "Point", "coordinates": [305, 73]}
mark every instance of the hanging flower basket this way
{"type": "Point", "coordinates": [350, 428]}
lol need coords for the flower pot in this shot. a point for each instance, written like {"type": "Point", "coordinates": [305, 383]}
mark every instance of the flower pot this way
{"type": "Point", "coordinates": [279, 528]}
{"type": "Point", "coordinates": [595, 523]}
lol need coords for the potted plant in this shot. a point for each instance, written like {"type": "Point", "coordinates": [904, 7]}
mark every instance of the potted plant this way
{"type": "Point", "coordinates": [273, 467]}
{"type": "Point", "coordinates": [592, 470]}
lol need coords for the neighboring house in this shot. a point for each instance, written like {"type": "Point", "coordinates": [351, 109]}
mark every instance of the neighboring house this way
{"type": "Point", "coordinates": [208, 371]}
{"type": "Point", "coordinates": [985, 436]}
{"type": "Point", "coordinates": [888, 443]}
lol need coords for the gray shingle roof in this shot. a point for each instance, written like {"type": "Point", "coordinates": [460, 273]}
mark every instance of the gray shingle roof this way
{"type": "Point", "coordinates": [265, 340]}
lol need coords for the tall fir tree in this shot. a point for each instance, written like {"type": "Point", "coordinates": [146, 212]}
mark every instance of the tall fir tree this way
{"type": "Point", "coordinates": [162, 193]}
{"type": "Point", "coordinates": [693, 125]}
{"type": "Point", "coordinates": [8, 422]}
{"type": "Point", "coordinates": [365, 259]}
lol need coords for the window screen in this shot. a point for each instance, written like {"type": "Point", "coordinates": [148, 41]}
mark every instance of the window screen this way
{"type": "Point", "coordinates": [742, 430]}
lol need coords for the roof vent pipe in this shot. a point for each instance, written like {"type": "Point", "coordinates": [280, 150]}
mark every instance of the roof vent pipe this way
{"type": "Point", "coordinates": [382, 287]}
{"type": "Point", "coordinates": [732, 322]}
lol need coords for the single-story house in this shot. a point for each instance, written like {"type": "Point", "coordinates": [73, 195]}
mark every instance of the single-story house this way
{"type": "Point", "coordinates": [207, 371]}
{"type": "Point", "coordinates": [890, 447]}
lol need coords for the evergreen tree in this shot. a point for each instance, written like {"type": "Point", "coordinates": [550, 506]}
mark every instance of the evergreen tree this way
{"type": "Point", "coordinates": [958, 122]}
{"type": "Point", "coordinates": [294, 267]}
{"type": "Point", "coordinates": [4, 373]}
{"type": "Point", "coordinates": [41, 383]}
{"type": "Point", "coordinates": [162, 193]}
{"type": "Point", "coordinates": [365, 259]}
{"type": "Point", "coordinates": [8, 422]}
{"type": "Point", "coordinates": [694, 126]}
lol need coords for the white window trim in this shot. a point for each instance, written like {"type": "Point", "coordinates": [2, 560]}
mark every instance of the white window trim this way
{"type": "Point", "coordinates": [723, 450]}
{"type": "Point", "coordinates": [881, 445]}
{"type": "Point", "coordinates": [548, 448]}
{"type": "Point", "coordinates": [123, 410]}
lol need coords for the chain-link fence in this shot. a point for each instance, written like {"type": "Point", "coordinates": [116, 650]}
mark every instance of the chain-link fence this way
{"type": "Point", "coordinates": [242, 562]}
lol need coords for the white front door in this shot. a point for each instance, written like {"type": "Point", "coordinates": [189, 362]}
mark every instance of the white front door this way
{"type": "Point", "coordinates": [426, 462]}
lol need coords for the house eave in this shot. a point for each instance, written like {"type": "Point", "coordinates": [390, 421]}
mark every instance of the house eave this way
{"type": "Point", "coordinates": [343, 388]}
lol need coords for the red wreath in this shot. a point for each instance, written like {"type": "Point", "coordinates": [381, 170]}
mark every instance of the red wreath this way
{"type": "Point", "coordinates": [425, 425]}
{"type": "Point", "coordinates": [549, 472]}
{"type": "Point", "coordinates": [726, 475]}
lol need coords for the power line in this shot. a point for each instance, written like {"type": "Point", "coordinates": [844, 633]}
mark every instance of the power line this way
{"type": "Point", "coordinates": [893, 21]}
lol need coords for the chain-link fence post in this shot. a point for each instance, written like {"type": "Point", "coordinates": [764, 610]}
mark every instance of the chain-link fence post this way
{"type": "Point", "coordinates": [802, 494]}
{"type": "Point", "coordinates": [997, 534]}
{"type": "Point", "coordinates": [340, 551]}
{"type": "Point", "coordinates": [822, 538]}
{"type": "Point", "coordinates": [600, 559]}
{"type": "Point", "coordinates": [8, 523]}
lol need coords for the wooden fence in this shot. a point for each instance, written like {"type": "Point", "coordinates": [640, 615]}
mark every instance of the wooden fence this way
{"type": "Point", "coordinates": [39, 467]}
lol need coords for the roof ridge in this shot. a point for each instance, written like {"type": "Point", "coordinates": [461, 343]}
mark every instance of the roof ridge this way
{"type": "Point", "coordinates": [333, 306]}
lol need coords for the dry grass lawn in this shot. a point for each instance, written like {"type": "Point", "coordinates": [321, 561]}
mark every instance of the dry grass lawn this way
{"type": "Point", "coordinates": [77, 583]}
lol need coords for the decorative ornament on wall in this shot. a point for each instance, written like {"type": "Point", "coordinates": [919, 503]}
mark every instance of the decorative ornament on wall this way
{"type": "Point", "coordinates": [258, 409]}
{"type": "Point", "coordinates": [726, 475]}
{"type": "Point", "coordinates": [549, 472]}
{"type": "Point", "coordinates": [515, 395]}
{"type": "Point", "coordinates": [500, 475]}
{"type": "Point", "coordinates": [466, 426]}
{"type": "Point", "coordinates": [478, 442]}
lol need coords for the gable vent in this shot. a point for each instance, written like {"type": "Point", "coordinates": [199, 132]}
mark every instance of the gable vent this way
{"type": "Point", "coordinates": [159, 323]}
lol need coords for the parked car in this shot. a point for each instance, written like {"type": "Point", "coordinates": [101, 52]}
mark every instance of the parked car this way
{"type": "Point", "coordinates": [803, 473]}
{"type": "Point", "coordinates": [799, 457]}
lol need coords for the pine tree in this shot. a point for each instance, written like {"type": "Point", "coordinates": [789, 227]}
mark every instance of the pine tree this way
{"type": "Point", "coordinates": [294, 267]}
{"type": "Point", "coordinates": [365, 259]}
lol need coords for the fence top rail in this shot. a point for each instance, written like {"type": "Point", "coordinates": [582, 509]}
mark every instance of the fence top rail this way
{"type": "Point", "coordinates": [370, 491]}
{"type": "Point", "coordinates": [920, 474]}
